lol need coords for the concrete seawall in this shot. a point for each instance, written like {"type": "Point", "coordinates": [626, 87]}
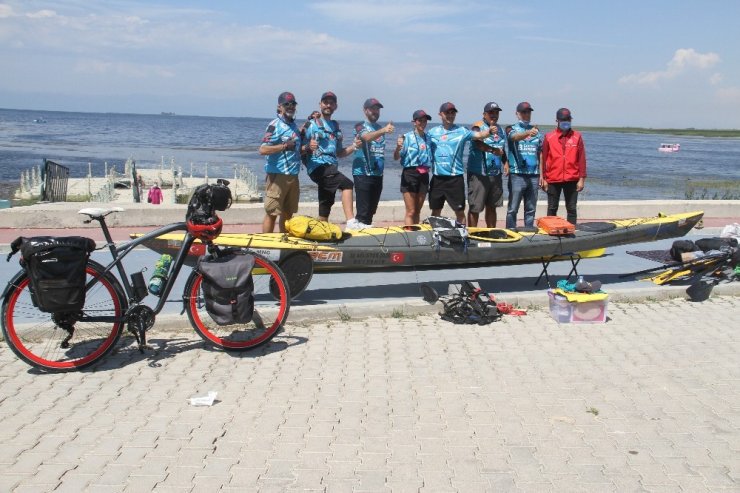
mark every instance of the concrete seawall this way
{"type": "Point", "coordinates": [64, 214]}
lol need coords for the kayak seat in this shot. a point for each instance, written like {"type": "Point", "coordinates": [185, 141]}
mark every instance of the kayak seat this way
{"type": "Point", "coordinates": [493, 234]}
{"type": "Point", "coordinates": [596, 227]}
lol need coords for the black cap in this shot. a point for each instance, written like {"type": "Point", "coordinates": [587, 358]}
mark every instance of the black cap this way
{"type": "Point", "coordinates": [419, 114]}
{"type": "Point", "coordinates": [328, 95]}
{"type": "Point", "coordinates": [447, 107]}
{"type": "Point", "coordinates": [525, 106]}
{"type": "Point", "coordinates": [286, 97]}
{"type": "Point", "coordinates": [491, 107]}
{"type": "Point", "coordinates": [369, 103]}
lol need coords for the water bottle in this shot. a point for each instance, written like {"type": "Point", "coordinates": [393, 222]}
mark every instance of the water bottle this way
{"type": "Point", "coordinates": [161, 270]}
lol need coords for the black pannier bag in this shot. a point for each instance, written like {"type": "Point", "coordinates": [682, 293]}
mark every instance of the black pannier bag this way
{"type": "Point", "coordinates": [56, 270]}
{"type": "Point", "coordinates": [227, 286]}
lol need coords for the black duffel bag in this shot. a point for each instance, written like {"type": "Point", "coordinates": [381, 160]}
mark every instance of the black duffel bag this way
{"type": "Point", "coordinates": [228, 287]}
{"type": "Point", "coordinates": [56, 270]}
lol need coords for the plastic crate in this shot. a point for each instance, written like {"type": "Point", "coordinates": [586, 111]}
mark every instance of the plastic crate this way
{"type": "Point", "coordinates": [584, 312]}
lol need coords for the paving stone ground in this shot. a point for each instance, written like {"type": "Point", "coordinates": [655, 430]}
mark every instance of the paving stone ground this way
{"type": "Point", "coordinates": [649, 401]}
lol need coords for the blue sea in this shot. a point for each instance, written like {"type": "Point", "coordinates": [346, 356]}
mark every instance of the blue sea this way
{"type": "Point", "coordinates": [620, 166]}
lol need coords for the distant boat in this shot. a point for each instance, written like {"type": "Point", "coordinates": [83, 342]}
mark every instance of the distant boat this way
{"type": "Point", "coordinates": [669, 147]}
{"type": "Point", "coordinates": [39, 120]}
{"type": "Point", "coordinates": [167, 113]}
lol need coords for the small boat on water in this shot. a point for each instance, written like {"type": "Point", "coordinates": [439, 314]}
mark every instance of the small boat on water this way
{"type": "Point", "coordinates": [669, 148]}
{"type": "Point", "coordinates": [397, 247]}
{"type": "Point", "coordinates": [39, 120]}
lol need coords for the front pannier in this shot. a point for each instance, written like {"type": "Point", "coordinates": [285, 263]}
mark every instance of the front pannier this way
{"type": "Point", "coordinates": [56, 270]}
{"type": "Point", "coordinates": [228, 287]}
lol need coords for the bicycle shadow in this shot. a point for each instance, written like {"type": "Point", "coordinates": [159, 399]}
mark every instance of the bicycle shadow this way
{"type": "Point", "coordinates": [126, 352]}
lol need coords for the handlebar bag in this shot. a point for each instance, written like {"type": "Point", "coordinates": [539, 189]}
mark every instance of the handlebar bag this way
{"type": "Point", "coordinates": [228, 287]}
{"type": "Point", "coordinates": [56, 270]}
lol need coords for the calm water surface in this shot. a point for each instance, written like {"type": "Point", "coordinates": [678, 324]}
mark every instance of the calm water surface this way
{"type": "Point", "coordinates": [620, 166]}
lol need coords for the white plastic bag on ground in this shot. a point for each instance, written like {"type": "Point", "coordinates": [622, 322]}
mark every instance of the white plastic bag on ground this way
{"type": "Point", "coordinates": [206, 400]}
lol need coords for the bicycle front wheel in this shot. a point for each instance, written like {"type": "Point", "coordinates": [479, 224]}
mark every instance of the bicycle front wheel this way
{"type": "Point", "coordinates": [41, 339]}
{"type": "Point", "coordinates": [271, 307]}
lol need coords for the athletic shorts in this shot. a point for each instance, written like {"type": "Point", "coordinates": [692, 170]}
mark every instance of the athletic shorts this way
{"type": "Point", "coordinates": [447, 188]}
{"type": "Point", "coordinates": [281, 194]}
{"type": "Point", "coordinates": [414, 182]}
{"type": "Point", "coordinates": [484, 191]}
{"type": "Point", "coordinates": [329, 180]}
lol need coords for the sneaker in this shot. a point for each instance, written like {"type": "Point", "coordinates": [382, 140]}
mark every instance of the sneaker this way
{"type": "Point", "coordinates": [352, 224]}
{"type": "Point", "coordinates": [363, 225]}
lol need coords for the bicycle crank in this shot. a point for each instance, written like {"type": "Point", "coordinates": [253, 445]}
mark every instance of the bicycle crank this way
{"type": "Point", "coordinates": [140, 319]}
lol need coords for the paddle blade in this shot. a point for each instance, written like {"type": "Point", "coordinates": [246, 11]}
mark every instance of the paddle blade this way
{"type": "Point", "coordinates": [429, 294]}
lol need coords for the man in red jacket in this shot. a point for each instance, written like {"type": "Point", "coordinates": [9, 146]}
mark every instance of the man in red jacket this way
{"type": "Point", "coordinates": [563, 166]}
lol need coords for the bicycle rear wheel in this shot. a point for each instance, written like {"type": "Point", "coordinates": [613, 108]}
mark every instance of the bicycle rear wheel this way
{"type": "Point", "coordinates": [271, 307]}
{"type": "Point", "coordinates": [38, 338]}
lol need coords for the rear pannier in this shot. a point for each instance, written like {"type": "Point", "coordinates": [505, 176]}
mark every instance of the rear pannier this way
{"type": "Point", "coordinates": [56, 270]}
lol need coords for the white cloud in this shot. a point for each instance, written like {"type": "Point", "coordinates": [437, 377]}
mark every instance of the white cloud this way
{"type": "Point", "coordinates": [41, 14]}
{"type": "Point", "coordinates": [6, 11]}
{"type": "Point", "coordinates": [716, 78]}
{"type": "Point", "coordinates": [138, 71]}
{"type": "Point", "coordinates": [684, 60]}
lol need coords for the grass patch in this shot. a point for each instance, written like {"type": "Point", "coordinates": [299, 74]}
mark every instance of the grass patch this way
{"type": "Point", "coordinates": [593, 410]}
{"type": "Point", "coordinates": [343, 314]}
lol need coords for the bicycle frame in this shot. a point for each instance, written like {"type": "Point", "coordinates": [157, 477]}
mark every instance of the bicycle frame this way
{"type": "Point", "coordinates": [120, 252]}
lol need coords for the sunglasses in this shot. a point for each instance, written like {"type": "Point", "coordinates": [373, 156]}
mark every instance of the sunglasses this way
{"type": "Point", "coordinates": [290, 104]}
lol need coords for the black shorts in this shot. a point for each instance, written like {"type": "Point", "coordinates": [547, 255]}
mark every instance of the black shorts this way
{"type": "Point", "coordinates": [484, 191]}
{"type": "Point", "coordinates": [414, 182]}
{"type": "Point", "coordinates": [449, 188]}
{"type": "Point", "coordinates": [329, 180]}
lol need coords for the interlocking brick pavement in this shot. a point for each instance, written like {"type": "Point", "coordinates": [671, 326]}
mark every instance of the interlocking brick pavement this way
{"type": "Point", "coordinates": [649, 401]}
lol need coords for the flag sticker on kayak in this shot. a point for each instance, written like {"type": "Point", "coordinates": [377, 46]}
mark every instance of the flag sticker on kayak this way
{"type": "Point", "coordinates": [397, 257]}
{"type": "Point", "coordinates": [335, 257]}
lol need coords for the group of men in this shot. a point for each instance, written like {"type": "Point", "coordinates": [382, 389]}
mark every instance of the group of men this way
{"type": "Point", "coordinates": [432, 164]}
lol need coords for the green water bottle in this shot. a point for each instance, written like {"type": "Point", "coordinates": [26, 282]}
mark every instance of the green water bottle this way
{"type": "Point", "coordinates": [161, 271]}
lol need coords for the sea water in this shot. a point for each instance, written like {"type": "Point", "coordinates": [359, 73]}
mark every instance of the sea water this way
{"type": "Point", "coordinates": [620, 165]}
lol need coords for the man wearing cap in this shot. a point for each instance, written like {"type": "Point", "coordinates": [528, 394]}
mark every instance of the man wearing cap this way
{"type": "Point", "coordinates": [324, 149]}
{"type": "Point", "coordinates": [281, 147]}
{"type": "Point", "coordinates": [414, 149]}
{"type": "Point", "coordinates": [368, 163]}
{"type": "Point", "coordinates": [523, 167]}
{"type": "Point", "coordinates": [448, 142]}
{"type": "Point", "coordinates": [563, 165]}
{"type": "Point", "coordinates": [485, 160]}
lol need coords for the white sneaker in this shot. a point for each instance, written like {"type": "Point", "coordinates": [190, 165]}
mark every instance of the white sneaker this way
{"type": "Point", "coordinates": [352, 224]}
{"type": "Point", "coordinates": [363, 225]}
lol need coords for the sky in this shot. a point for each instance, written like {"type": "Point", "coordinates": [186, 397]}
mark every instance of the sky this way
{"type": "Point", "coordinates": [658, 64]}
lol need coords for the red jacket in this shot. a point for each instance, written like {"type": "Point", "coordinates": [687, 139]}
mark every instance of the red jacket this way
{"type": "Point", "coordinates": [563, 156]}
